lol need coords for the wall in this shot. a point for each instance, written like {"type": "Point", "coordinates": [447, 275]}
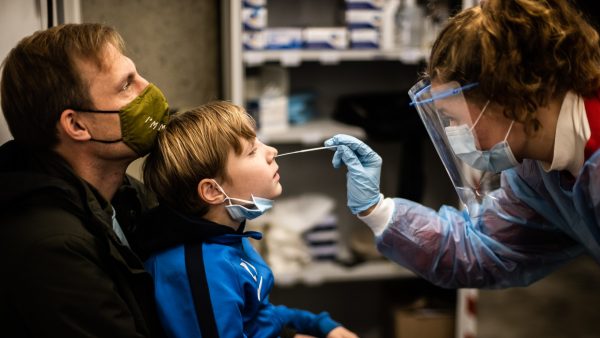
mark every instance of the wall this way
{"type": "Point", "coordinates": [17, 20]}
{"type": "Point", "coordinates": [175, 44]}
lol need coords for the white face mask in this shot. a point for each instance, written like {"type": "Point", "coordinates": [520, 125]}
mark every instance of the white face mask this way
{"type": "Point", "coordinates": [462, 141]}
{"type": "Point", "coordinates": [249, 209]}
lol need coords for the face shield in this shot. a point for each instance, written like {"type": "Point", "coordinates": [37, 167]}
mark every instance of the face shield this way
{"type": "Point", "coordinates": [449, 121]}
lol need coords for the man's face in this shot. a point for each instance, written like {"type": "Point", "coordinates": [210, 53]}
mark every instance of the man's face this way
{"type": "Point", "coordinates": [253, 172]}
{"type": "Point", "coordinates": [110, 88]}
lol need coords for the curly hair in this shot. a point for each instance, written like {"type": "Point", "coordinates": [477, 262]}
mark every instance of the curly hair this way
{"type": "Point", "coordinates": [521, 52]}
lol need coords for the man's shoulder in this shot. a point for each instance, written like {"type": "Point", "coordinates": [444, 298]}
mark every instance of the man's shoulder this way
{"type": "Point", "coordinates": [36, 225]}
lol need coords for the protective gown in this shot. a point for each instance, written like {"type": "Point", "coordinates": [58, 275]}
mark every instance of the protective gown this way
{"type": "Point", "coordinates": [535, 222]}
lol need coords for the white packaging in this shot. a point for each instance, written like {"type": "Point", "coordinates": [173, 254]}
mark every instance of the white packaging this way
{"type": "Point", "coordinates": [254, 19]}
{"type": "Point", "coordinates": [325, 38]}
{"type": "Point", "coordinates": [254, 40]}
{"type": "Point", "coordinates": [365, 4]}
{"type": "Point", "coordinates": [273, 114]}
{"type": "Point", "coordinates": [283, 38]}
{"type": "Point", "coordinates": [254, 3]}
{"type": "Point", "coordinates": [364, 39]}
{"type": "Point", "coordinates": [388, 24]}
{"type": "Point", "coordinates": [363, 18]}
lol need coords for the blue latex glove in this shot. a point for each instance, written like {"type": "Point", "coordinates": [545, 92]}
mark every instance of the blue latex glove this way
{"type": "Point", "coordinates": [364, 171]}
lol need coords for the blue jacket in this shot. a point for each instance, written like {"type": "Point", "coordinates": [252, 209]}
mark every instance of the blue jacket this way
{"type": "Point", "coordinates": [239, 281]}
{"type": "Point", "coordinates": [534, 223]}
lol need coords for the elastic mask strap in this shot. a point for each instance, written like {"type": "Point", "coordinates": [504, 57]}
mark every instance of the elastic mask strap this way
{"type": "Point", "coordinates": [240, 200]}
{"type": "Point", "coordinates": [96, 111]}
{"type": "Point", "coordinates": [223, 191]}
{"type": "Point", "coordinates": [480, 115]}
{"type": "Point", "coordinates": [229, 199]}
{"type": "Point", "coordinates": [100, 112]}
{"type": "Point", "coordinates": [106, 141]}
{"type": "Point", "coordinates": [509, 129]}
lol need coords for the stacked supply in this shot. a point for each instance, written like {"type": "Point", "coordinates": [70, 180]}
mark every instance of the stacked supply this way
{"type": "Point", "coordinates": [364, 19]}
{"type": "Point", "coordinates": [254, 22]}
{"type": "Point", "coordinates": [300, 230]}
{"type": "Point", "coordinates": [323, 239]}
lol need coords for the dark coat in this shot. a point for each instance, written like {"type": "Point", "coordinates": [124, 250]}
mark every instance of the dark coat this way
{"type": "Point", "coordinates": [64, 271]}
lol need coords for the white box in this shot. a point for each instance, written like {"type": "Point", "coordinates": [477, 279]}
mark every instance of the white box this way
{"type": "Point", "coordinates": [423, 323]}
{"type": "Point", "coordinates": [365, 4]}
{"type": "Point", "coordinates": [273, 114]}
{"type": "Point", "coordinates": [254, 40]}
{"type": "Point", "coordinates": [283, 38]}
{"type": "Point", "coordinates": [254, 19]}
{"type": "Point", "coordinates": [325, 38]}
{"type": "Point", "coordinates": [254, 3]}
{"type": "Point", "coordinates": [364, 39]}
{"type": "Point", "coordinates": [363, 18]}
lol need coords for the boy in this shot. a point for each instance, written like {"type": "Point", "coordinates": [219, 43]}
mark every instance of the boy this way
{"type": "Point", "coordinates": [211, 174]}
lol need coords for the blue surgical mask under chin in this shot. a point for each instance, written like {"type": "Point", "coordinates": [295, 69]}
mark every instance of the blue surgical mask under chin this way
{"type": "Point", "coordinates": [247, 210]}
{"type": "Point", "coordinates": [497, 159]}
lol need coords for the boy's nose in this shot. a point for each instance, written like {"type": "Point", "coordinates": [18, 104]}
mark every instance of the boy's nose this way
{"type": "Point", "coordinates": [272, 153]}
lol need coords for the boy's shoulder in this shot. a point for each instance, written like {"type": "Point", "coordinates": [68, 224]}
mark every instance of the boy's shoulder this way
{"type": "Point", "coordinates": [214, 255]}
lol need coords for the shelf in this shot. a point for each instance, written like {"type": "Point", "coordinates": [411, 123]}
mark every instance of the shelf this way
{"type": "Point", "coordinates": [312, 132]}
{"type": "Point", "coordinates": [325, 272]}
{"type": "Point", "coordinates": [295, 57]}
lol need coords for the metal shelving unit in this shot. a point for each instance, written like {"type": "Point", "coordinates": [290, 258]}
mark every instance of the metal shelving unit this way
{"type": "Point", "coordinates": [236, 62]}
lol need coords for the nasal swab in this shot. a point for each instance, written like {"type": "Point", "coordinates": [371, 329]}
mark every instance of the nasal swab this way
{"type": "Point", "coordinates": [306, 150]}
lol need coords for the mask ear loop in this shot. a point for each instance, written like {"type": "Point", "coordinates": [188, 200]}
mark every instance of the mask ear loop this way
{"type": "Point", "coordinates": [480, 115]}
{"type": "Point", "coordinates": [227, 198]}
{"type": "Point", "coordinates": [509, 129]}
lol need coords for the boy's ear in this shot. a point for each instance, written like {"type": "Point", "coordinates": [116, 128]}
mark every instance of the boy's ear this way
{"type": "Point", "coordinates": [209, 192]}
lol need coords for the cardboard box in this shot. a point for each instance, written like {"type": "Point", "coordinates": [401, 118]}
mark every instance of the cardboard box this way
{"type": "Point", "coordinates": [363, 18]}
{"type": "Point", "coordinates": [325, 37]}
{"type": "Point", "coordinates": [254, 3]}
{"type": "Point", "coordinates": [254, 19]}
{"type": "Point", "coordinates": [254, 40]}
{"type": "Point", "coordinates": [365, 4]}
{"type": "Point", "coordinates": [283, 38]}
{"type": "Point", "coordinates": [364, 39]}
{"type": "Point", "coordinates": [423, 323]}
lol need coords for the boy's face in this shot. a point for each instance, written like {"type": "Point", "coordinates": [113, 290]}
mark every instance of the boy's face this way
{"type": "Point", "coordinates": [253, 172]}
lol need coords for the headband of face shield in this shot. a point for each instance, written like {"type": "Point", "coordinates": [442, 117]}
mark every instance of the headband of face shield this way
{"type": "Point", "coordinates": [246, 210]}
{"type": "Point", "coordinates": [448, 120]}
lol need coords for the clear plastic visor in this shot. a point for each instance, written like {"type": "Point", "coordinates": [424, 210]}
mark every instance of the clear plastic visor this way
{"type": "Point", "coordinates": [441, 106]}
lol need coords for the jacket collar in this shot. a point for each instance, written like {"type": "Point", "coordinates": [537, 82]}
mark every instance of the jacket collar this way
{"type": "Point", "coordinates": [163, 227]}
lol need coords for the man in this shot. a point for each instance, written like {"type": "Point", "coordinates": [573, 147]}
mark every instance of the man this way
{"type": "Point", "coordinates": [80, 114]}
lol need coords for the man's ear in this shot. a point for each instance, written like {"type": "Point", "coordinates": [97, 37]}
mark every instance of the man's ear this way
{"type": "Point", "coordinates": [73, 125]}
{"type": "Point", "coordinates": [209, 192]}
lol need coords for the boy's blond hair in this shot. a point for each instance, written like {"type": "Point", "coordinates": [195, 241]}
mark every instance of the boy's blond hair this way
{"type": "Point", "coordinates": [194, 146]}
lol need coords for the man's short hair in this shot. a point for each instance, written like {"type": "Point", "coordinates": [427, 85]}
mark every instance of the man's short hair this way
{"type": "Point", "coordinates": [40, 78]}
{"type": "Point", "coordinates": [194, 146]}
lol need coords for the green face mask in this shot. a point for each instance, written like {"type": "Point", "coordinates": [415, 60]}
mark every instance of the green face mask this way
{"type": "Point", "coordinates": [141, 120]}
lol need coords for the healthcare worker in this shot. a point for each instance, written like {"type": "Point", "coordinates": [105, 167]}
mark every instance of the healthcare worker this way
{"type": "Point", "coordinates": [511, 102]}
